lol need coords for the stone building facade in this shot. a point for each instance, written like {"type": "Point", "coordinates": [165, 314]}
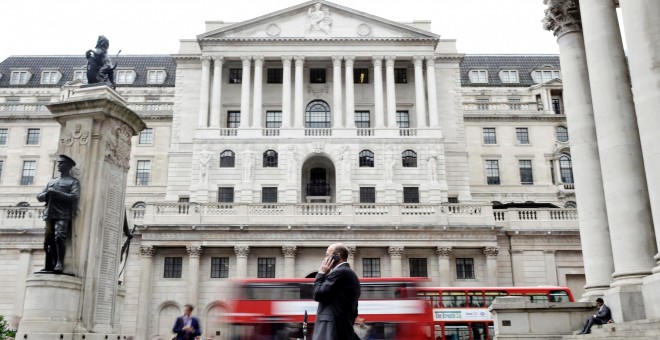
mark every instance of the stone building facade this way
{"type": "Point", "coordinates": [269, 139]}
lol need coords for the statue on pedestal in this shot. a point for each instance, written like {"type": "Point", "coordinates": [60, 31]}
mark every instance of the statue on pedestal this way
{"type": "Point", "coordinates": [99, 66]}
{"type": "Point", "coordinates": [61, 196]}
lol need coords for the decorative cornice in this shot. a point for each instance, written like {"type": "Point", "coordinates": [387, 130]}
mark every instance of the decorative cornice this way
{"type": "Point", "coordinates": [491, 251]}
{"type": "Point", "coordinates": [147, 251]}
{"type": "Point", "coordinates": [395, 251]}
{"type": "Point", "coordinates": [242, 251]}
{"type": "Point", "coordinates": [562, 17]}
{"type": "Point", "coordinates": [289, 251]}
{"type": "Point", "coordinates": [194, 251]}
{"type": "Point", "coordinates": [316, 39]}
{"type": "Point", "coordinates": [443, 251]}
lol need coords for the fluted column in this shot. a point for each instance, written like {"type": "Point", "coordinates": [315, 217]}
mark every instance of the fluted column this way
{"type": "Point", "coordinates": [420, 98]}
{"type": "Point", "coordinates": [395, 261]}
{"type": "Point", "coordinates": [144, 296]}
{"type": "Point", "coordinates": [299, 112]}
{"type": "Point", "coordinates": [391, 93]}
{"type": "Point", "coordinates": [216, 92]}
{"type": "Point", "coordinates": [204, 92]}
{"type": "Point", "coordinates": [444, 255]}
{"type": "Point", "coordinates": [242, 253]}
{"type": "Point", "coordinates": [350, 92]}
{"type": "Point", "coordinates": [336, 92]}
{"type": "Point", "coordinates": [24, 258]}
{"type": "Point", "coordinates": [286, 91]}
{"type": "Point", "coordinates": [289, 253]}
{"type": "Point", "coordinates": [626, 193]}
{"type": "Point", "coordinates": [590, 196]}
{"type": "Point", "coordinates": [194, 252]}
{"type": "Point", "coordinates": [257, 95]}
{"type": "Point", "coordinates": [378, 91]}
{"type": "Point", "coordinates": [245, 91]}
{"type": "Point", "coordinates": [491, 265]}
{"type": "Point", "coordinates": [432, 92]}
{"type": "Point", "coordinates": [351, 256]}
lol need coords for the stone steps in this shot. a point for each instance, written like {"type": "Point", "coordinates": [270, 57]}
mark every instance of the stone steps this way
{"type": "Point", "coordinates": [640, 329]}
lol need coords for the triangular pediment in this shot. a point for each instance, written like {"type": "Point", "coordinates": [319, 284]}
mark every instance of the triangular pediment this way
{"type": "Point", "coordinates": [318, 20]}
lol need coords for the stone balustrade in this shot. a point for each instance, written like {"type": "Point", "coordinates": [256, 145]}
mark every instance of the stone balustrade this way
{"type": "Point", "coordinates": [150, 106]}
{"type": "Point", "coordinates": [293, 132]}
{"type": "Point", "coordinates": [523, 107]}
{"type": "Point", "coordinates": [21, 217]}
{"type": "Point", "coordinates": [19, 107]}
{"type": "Point", "coordinates": [530, 219]}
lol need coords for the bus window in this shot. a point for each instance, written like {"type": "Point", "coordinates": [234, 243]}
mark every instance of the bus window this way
{"type": "Point", "coordinates": [380, 330]}
{"type": "Point", "coordinates": [478, 330]}
{"type": "Point", "coordinates": [432, 298]}
{"type": "Point", "coordinates": [490, 296]}
{"type": "Point", "coordinates": [558, 296]}
{"type": "Point", "coordinates": [381, 291]}
{"type": "Point", "coordinates": [476, 299]}
{"type": "Point", "coordinates": [290, 291]}
{"type": "Point", "coordinates": [491, 331]}
{"type": "Point", "coordinates": [453, 299]}
{"type": "Point", "coordinates": [457, 331]}
{"type": "Point", "coordinates": [537, 298]}
{"type": "Point", "coordinates": [437, 332]}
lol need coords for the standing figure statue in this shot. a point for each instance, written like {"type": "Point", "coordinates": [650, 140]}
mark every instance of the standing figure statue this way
{"type": "Point", "coordinates": [99, 66]}
{"type": "Point", "coordinates": [61, 196]}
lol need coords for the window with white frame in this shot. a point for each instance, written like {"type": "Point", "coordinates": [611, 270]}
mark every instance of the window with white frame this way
{"type": "Point", "coordinates": [124, 76]}
{"type": "Point", "coordinates": [543, 76]}
{"type": "Point", "coordinates": [514, 104]}
{"type": "Point", "coordinates": [483, 104]}
{"type": "Point", "coordinates": [492, 172]}
{"type": "Point", "coordinates": [29, 172]}
{"type": "Point", "coordinates": [143, 173]}
{"type": "Point", "coordinates": [509, 76]}
{"type": "Point", "coordinates": [4, 133]}
{"type": "Point", "coordinates": [33, 136]}
{"type": "Point", "coordinates": [155, 76]}
{"type": "Point", "coordinates": [50, 77]}
{"type": "Point", "coordinates": [526, 174]}
{"type": "Point", "coordinates": [561, 132]}
{"type": "Point", "coordinates": [19, 77]}
{"type": "Point", "coordinates": [522, 136]}
{"type": "Point", "coordinates": [146, 137]}
{"type": "Point", "coordinates": [489, 135]}
{"type": "Point", "coordinates": [80, 75]}
{"type": "Point", "coordinates": [479, 76]}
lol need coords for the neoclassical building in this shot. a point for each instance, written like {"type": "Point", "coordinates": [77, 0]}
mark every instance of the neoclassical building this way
{"type": "Point", "coordinates": [271, 138]}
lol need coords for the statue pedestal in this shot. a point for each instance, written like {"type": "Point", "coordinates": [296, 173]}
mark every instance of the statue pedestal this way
{"type": "Point", "coordinates": [51, 304]}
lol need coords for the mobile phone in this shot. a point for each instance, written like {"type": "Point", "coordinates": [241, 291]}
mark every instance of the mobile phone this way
{"type": "Point", "coordinates": [335, 257]}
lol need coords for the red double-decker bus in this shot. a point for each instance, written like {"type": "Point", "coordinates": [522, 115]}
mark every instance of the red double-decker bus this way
{"type": "Point", "coordinates": [269, 308]}
{"type": "Point", "coordinates": [461, 313]}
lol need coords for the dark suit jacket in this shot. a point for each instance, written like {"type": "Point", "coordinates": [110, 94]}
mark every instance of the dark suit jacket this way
{"type": "Point", "coordinates": [180, 334]}
{"type": "Point", "coordinates": [337, 293]}
{"type": "Point", "coordinates": [604, 314]}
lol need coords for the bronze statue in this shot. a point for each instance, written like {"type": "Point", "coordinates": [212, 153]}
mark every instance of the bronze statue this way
{"type": "Point", "coordinates": [61, 196]}
{"type": "Point", "coordinates": [99, 66]}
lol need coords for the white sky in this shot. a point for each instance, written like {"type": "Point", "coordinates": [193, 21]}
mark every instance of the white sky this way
{"type": "Point", "coordinates": [57, 27]}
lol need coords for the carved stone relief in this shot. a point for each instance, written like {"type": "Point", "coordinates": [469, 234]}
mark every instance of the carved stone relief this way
{"type": "Point", "coordinates": [118, 144]}
{"type": "Point", "coordinates": [273, 30]}
{"type": "Point", "coordinates": [363, 30]}
{"type": "Point", "coordinates": [205, 157]}
{"type": "Point", "coordinates": [319, 19]}
{"type": "Point", "coordinates": [562, 16]}
{"type": "Point", "coordinates": [248, 164]}
{"type": "Point", "coordinates": [289, 251]}
{"type": "Point", "coordinates": [76, 142]}
{"type": "Point", "coordinates": [242, 251]}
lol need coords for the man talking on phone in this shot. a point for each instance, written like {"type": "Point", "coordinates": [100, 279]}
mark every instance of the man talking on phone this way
{"type": "Point", "coordinates": [337, 289]}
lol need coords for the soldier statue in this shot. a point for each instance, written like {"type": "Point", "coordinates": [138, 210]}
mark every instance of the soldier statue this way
{"type": "Point", "coordinates": [99, 66]}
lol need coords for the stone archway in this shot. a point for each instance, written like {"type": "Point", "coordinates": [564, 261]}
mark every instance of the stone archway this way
{"type": "Point", "coordinates": [168, 312]}
{"type": "Point", "coordinates": [215, 321]}
{"type": "Point", "coordinates": [318, 180]}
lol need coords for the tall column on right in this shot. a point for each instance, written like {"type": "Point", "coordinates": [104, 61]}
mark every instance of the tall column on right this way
{"type": "Point", "coordinates": [299, 113]}
{"type": "Point", "coordinates": [144, 298]}
{"type": "Point", "coordinates": [391, 92]}
{"type": "Point", "coordinates": [594, 228]}
{"type": "Point", "coordinates": [444, 255]}
{"type": "Point", "coordinates": [242, 253]}
{"type": "Point", "coordinates": [624, 180]}
{"type": "Point", "coordinates": [350, 92]}
{"type": "Point", "coordinates": [420, 98]}
{"type": "Point", "coordinates": [643, 40]}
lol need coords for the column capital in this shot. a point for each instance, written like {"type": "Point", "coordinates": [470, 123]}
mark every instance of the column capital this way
{"type": "Point", "coordinates": [549, 251]}
{"type": "Point", "coordinates": [246, 60]}
{"type": "Point", "coordinates": [299, 59]}
{"type": "Point", "coordinates": [395, 251]}
{"type": "Point", "coordinates": [218, 59]}
{"type": "Point", "coordinates": [351, 251]}
{"type": "Point", "coordinates": [562, 17]}
{"type": "Point", "coordinates": [418, 60]}
{"type": "Point", "coordinates": [25, 250]}
{"type": "Point", "coordinates": [430, 61]}
{"type": "Point", "coordinates": [258, 59]}
{"type": "Point", "coordinates": [389, 60]}
{"type": "Point", "coordinates": [206, 60]}
{"type": "Point", "coordinates": [443, 251]}
{"type": "Point", "coordinates": [147, 251]}
{"type": "Point", "coordinates": [378, 60]}
{"type": "Point", "coordinates": [289, 251]}
{"type": "Point", "coordinates": [349, 60]}
{"type": "Point", "coordinates": [242, 251]}
{"type": "Point", "coordinates": [194, 251]}
{"type": "Point", "coordinates": [491, 251]}
{"type": "Point", "coordinates": [337, 59]}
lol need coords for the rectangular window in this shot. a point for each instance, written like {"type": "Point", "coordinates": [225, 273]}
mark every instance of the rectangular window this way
{"type": "Point", "coordinates": [402, 119]}
{"type": "Point", "coordinates": [29, 172]}
{"type": "Point", "coordinates": [274, 76]}
{"type": "Point", "coordinates": [526, 176]}
{"type": "Point", "coordinates": [492, 171]}
{"type": "Point", "coordinates": [361, 75]}
{"type": "Point", "coordinates": [544, 76]}
{"type": "Point", "coordinates": [219, 267]}
{"type": "Point", "coordinates": [556, 106]}
{"type": "Point", "coordinates": [367, 195]}
{"type": "Point", "coordinates": [155, 76]}
{"type": "Point", "coordinates": [362, 119]}
{"type": "Point", "coordinates": [317, 119]}
{"type": "Point", "coordinates": [317, 75]}
{"type": "Point", "coordinates": [452, 199]}
{"type": "Point", "coordinates": [124, 76]}
{"type": "Point", "coordinates": [510, 76]}
{"type": "Point", "coordinates": [514, 104]}
{"type": "Point", "coordinates": [478, 76]}
{"type": "Point", "coordinates": [371, 267]}
{"type": "Point", "coordinates": [50, 77]}
{"type": "Point", "coordinates": [418, 267]}
{"type": "Point", "coordinates": [233, 119]}
{"type": "Point", "coordinates": [400, 75]}
{"type": "Point", "coordinates": [235, 75]}
{"type": "Point", "coordinates": [274, 119]}
{"type": "Point", "coordinates": [269, 195]}
{"type": "Point", "coordinates": [173, 267]}
{"type": "Point", "coordinates": [464, 268]}
{"type": "Point", "coordinates": [1, 166]}
{"type": "Point", "coordinates": [4, 134]}
{"type": "Point", "coordinates": [33, 136]}
{"type": "Point", "coordinates": [80, 75]}
{"type": "Point", "coordinates": [483, 104]}
{"type": "Point", "coordinates": [410, 195]}
{"type": "Point", "coordinates": [522, 136]}
{"type": "Point", "coordinates": [19, 77]}
{"type": "Point", "coordinates": [266, 267]}
{"type": "Point", "coordinates": [143, 173]}
{"type": "Point", "coordinates": [146, 137]}
{"type": "Point", "coordinates": [226, 195]}
{"type": "Point", "coordinates": [489, 136]}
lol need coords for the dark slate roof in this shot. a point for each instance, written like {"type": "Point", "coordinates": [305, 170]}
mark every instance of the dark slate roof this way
{"type": "Point", "coordinates": [67, 64]}
{"type": "Point", "coordinates": [525, 64]}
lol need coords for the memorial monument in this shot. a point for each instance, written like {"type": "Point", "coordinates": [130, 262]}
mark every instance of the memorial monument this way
{"type": "Point", "coordinates": [94, 146]}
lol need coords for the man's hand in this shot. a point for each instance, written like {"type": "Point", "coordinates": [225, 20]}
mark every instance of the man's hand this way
{"type": "Point", "coordinates": [326, 265]}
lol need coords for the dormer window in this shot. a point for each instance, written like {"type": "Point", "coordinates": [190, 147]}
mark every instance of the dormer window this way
{"type": "Point", "coordinates": [124, 76]}
{"type": "Point", "coordinates": [19, 77]}
{"type": "Point", "coordinates": [479, 76]}
{"type": "Point", "coordinates": [50, 77]}
{"type": "Point", "coordinates": [80, 75]}
{"type": "Point", "coordinates": [156, 76]}
{"type": "Point", "coordinates": [545, 76]}
{"type": "Point", "coordinates": [509, 76]}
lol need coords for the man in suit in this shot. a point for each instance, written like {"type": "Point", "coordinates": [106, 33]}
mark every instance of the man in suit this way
{"type": "Point", "coordinates": [337, 289]}
{"type": "Point", "coordinates": [603, 316]}
{"type": "Point", "coordinates": [186, 326]}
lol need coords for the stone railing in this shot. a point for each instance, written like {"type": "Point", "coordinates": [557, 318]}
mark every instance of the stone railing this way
{"type": "Point", "coordinates": [150, 106]}
{"type": "Point", "coordinates": [23, 107]}
{"type": "Point", "coordinates": [318, 132]}
{"type": "Point", "coordinates": [21, 217]}
{"type": "Point", "coordinates": [517, 107]}
{"type": "Point", "coordinates": [530, 219]}
{"type": "Point", "coordinates": [228, 132]}
{"type": "Point", "coordinates": [270, 132]}
{"type": "Point", "coordinates": [339, 132]}
{"type": "Point", "coordinates": [407, 132]}
{"type": "Point", "coordinates": [366, 132]}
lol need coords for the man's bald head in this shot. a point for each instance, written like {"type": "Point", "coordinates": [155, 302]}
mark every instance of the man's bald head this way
{"type": "Point", "coordinates": [340, 249]}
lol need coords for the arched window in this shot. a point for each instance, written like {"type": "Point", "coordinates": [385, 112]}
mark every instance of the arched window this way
{"type": "Point", "coordinates": [139, 205]}
{"type": "Point", "coordinates": [366, 159]}
{"type": "Point", "coordinates": [317, 115]}
{"type": "Point", "coordinates": [562, 133]}
{"type": "Point", "coordinates": [496, 203]}
{"type": "Point", "coordinates": [409, 159]}
{"type": "Point", "coordinates": [270, 159]}
{"type": "Point", "coordinates": [23, 204]}
{"type": "Point", "coordinates": [566, 169]}
{"type": "Point", "coordinates": [227, 159]}
{"type": "Point", "coordinates": [570, 205]}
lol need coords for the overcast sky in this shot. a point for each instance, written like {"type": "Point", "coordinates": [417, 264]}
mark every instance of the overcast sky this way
{"type": "Point", "coordinates": [52, 27]}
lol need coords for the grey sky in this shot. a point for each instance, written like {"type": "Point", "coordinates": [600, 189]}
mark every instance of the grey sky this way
{"type": "Point", "coordinates": [48, 27]}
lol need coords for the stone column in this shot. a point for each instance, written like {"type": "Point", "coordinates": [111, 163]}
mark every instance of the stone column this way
{"type": "Point", "coordinates": [378, 91]}
{"type": "Point", "coordinates": [491, 265]}
{"type": "Point", "coordinates": [216, 92]}
{"type": "Point", "coordinates": [144, 296]}
{"type": "Point", "coordinates": [395, 260]}
{"type": "Point", "coordinates": [592, 214]}
{"type": "Point", "coordinates": [286, 91]}
{"type": "Point", "coordinates": [420, 98]}
{"type": "Point", "coordinates": [444, 255]}
{"type": "Point", "coordinates": [204, 92]}
{"type": "Point", "coordinates": [245, 91]}
{"type": "Point", "coordinates": [242, 253]}
{"type": "Point", "coordinates": [336, 92]}
{"type": "Point", "coordinates": [21, 275]}
{"type": "Point", "coordinates": [517, 266]}
{"type": "Point", "coordinates": [289, 253]}
{"type": "Point", "coordinates": [194, 252]}
{"type": "Point", "coordinates": [351, 256]}
{"type": "Point", "coordinates": [391, 93]}
{"type": "Point", "coordinates": [299, 110]}
{"type": "Point", "coordinates": [350, 92]}
{"type": "Point", "coordinates": [432, 92]}
{"type": "Point", "coordinates": [257, 94]}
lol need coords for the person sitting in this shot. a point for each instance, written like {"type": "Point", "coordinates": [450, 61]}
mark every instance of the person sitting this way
{"type": "Point", "coordinates": [604, 315]}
